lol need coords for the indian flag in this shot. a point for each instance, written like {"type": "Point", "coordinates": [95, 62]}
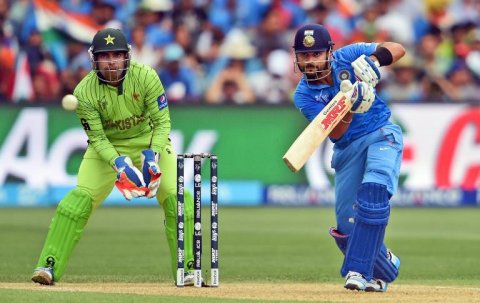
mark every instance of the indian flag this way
{"type": "Point", "coordinates": [50, 15]}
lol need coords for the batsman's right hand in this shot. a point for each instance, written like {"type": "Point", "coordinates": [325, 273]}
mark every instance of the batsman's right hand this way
{"type": "Point", "coordinates": [362, 97]}
{"type": "Point", "coordinates": [129, 179]}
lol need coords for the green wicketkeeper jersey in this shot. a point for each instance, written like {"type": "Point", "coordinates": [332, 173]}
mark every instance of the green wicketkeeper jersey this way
{"type": "Point", "coordinates": [112, 115]}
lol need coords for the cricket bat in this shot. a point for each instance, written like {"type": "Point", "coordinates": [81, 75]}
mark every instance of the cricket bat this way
{"type": "Point", "coordinates": [319, 129]}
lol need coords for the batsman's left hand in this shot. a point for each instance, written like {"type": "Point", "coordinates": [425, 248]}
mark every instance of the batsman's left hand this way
{"type": "Point", "coordinates": [151, 171]}
{"type": "Point", "coordinates": [366, 70]}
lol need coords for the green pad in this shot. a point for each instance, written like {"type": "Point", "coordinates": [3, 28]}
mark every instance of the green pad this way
{"type": "Point", "coordinates": [65, 230]}
{"type": "Point", "coordinates": [170, 209]}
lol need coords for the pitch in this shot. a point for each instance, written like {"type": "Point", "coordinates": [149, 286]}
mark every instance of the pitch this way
{"type": "Point", "coordinates": [266, 255]}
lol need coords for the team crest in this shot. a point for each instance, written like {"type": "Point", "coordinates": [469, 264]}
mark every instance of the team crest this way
{"type": "Point", "coordinates": [308, 41]}
{"type": "Point", "coordinates": [109, 40]}
{"type": "Point", "coordinates": [102, 103]}
{"type": "Point", "coordinates": [343, 75]}
{"type": "Point", "coordinates": [136, 96]}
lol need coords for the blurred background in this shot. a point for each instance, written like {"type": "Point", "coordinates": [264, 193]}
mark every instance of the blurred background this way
{"type": "Point", "coordinates": [227, 68]}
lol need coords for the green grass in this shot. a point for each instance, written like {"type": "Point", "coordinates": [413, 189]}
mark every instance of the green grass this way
{"type": "Point", "coordinates": [436, 246]}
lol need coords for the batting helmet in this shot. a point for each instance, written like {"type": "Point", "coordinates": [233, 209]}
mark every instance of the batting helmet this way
{"type": "Point", "coordinates": [312, 38]}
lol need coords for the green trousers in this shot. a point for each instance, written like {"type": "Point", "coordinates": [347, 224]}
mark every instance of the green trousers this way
{"type": "Point", "coordinates": [95, 182]}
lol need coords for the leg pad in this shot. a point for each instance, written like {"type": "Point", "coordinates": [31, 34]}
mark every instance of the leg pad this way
{"type": "Point", "coordinates": [383, 268]}
{"type": "Point", "coordinates": [372, 214]}
{"type": "Point", "coordinates": [65, 230]}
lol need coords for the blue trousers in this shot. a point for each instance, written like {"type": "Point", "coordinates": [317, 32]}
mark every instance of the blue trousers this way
{"type": "Point", "coordinates": [376, 158]}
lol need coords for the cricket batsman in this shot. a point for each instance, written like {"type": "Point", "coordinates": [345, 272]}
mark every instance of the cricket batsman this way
{"type": "Point", "coordinates": [367, 149]}
{"type": "Point", "coordinates": [124, 112]}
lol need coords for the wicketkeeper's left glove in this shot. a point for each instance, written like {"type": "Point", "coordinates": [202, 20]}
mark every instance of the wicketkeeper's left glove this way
{"type": "Point", "coordinates": [151, 171]}
{"type": "Point", "coordinates": [129, 179]}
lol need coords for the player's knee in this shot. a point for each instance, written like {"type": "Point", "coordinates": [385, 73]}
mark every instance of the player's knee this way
{"type": "Point", "coordinates": [373, 205]}
{"type": "Point", "coordinates": [76, 204]}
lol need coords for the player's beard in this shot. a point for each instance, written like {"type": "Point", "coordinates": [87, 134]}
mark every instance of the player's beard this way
{"type": "Point", "coordinates": [315, 72]}
{"type": "Point", "coordinates": [112, 74]}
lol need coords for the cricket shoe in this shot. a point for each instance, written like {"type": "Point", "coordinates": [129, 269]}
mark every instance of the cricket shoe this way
{"type": "Point", "coordinates": [355, 281]}
{"type": "Point", "coordinates": [394, 259]}
{"type": "Point", "coordinates": [376, 285]}
{"type": "Point", "coordinates": [189, 279]}
{"type": "Point", "coordinates": [43, 275]}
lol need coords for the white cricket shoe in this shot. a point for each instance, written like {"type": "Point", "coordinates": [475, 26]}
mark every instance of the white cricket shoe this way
{"type": "Point", "coordinates": [355, 281]}
{"type": "Point", "coordinates": [189, 279]}
{"type": "Point", "coordinates": [376, 285]}
{"type": "Point", "coordinates": [43, 275]}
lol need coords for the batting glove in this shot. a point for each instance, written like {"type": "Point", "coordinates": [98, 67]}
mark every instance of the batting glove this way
{"type": "Point", "coordinates": [151, 171]}
{"type": "Point", "coordinates": [129, 179]}
{"type": "Point", "coordinates": [366, 70]}
{"type": "Point", "coordinates": [362, 98]}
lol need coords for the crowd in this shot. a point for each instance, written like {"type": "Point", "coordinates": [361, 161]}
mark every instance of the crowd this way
{"type": "Point", "coordinates": [238, 51]}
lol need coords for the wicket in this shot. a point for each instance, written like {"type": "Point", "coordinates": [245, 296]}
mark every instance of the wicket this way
{"type": "Point", "coordinates": [197, 237]}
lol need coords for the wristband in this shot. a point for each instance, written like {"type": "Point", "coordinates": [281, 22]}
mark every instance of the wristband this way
{"type": "Point", "coordinates": [383, 55]}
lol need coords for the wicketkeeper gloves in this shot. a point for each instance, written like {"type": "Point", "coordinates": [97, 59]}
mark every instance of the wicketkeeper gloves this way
{"type": "Point", "coordinates": [129, 179]}
{"type": "Point", "coordinates": [151, 171]}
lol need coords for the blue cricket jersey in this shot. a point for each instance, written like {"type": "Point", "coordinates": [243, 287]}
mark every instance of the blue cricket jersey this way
{"type": "Point", "coordinates": [311, 99]}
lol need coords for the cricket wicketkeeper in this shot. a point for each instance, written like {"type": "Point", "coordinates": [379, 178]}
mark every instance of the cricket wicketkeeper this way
{"type": "Point", "coordinates": [367, 149]}
{"type": "Point", "coordinates": [124, 112]}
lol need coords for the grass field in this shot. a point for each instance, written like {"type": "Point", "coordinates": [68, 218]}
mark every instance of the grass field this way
{"type": "Point", "coordinates": [266, 255]}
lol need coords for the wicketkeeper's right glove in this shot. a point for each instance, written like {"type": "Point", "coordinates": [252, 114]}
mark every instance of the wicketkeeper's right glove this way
{"type": "Point", "coordinates": [151, 171]}
{"type": "Point", "coordinates": [129, 179]}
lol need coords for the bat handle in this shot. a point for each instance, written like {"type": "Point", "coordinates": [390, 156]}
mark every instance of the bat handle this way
{"type": "Point", "coordinates": [346, 86]}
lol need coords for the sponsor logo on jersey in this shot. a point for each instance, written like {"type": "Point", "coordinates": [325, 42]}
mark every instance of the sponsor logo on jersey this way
{"type": "Point", "coordinates": [162, 101]}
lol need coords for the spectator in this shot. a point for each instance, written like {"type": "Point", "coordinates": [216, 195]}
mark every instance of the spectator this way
{"type": "Point", "coordinates": [473, 58]}
{"type": "Point", "coordinates": [461, 85]}
{"type": "Point", "coordinates": [273, 85]}
{"type": "Point", "coordinates": [178, 79]}
{"type": "Point", "coordinates": [142, 50]}
{"type": "Point", "coordinates": [153, 16]}
{"type": "Point", "coordinates": [404, 85]}
{"type": "Point", "coordinates": [231, 86]}
{"type": "Point", "coordinates": [440, 31]}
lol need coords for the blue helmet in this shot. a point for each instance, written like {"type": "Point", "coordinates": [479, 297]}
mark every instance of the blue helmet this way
{"type": "Point", "coordinates": [312, 38]}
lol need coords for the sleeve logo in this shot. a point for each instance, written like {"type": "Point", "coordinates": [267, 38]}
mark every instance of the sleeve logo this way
{"type": "Point", "coordinates": [85, 124]}
{"type": "Point", "coordinates": [162, 101]}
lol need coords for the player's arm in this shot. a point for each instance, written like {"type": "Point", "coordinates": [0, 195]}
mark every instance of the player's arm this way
{"type": "Point", "coordinates": [157, 106]}
{"type": "Point", "coordinates": [342, 127]}
{"type": "Point", "coordinates": [92, 124]}
{"type": "Point", "coordinates": [395, 52]}
{"type": "Point", "coordinates": [366, 68]}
